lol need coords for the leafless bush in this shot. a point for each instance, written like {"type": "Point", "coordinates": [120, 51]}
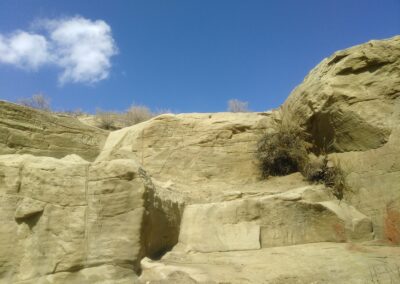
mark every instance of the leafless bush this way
{"type": "Point", "coordinates": [235, 105]}
{"type": "Point", "coordinates": [107, 120]}
{"type": "Point", "coordinates": [136, 114]}
{"type": "Point", "coordinates": [37, 101]}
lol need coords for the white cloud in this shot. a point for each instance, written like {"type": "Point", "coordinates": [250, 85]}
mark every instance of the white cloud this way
{"type": "Point", "coordinates": [83, 48]}
{"type": "Point", "coordinates": [24, 50]}
{"type": "Point", "coordinates": [80, 47]}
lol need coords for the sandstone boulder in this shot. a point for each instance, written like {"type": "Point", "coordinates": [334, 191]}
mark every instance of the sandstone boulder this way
{"type": "Point", "coordinates": [192, 147]}
{"type": "Point", "coordinates": [351, 101]}
{"type": "Point", "coordinates": [278, 220]}
{"type": "Point", "coordinates": [70, 220]}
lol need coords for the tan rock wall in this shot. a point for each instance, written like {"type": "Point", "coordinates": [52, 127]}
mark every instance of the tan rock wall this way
{"type": "Point", "coordinates": [28, 131]}
{"type": "Point", "coordinates": [352, 101]}
{"type": "Point", "coordinates": [193, 147]}
{"type": "Point", "coordinates": [67, 216]}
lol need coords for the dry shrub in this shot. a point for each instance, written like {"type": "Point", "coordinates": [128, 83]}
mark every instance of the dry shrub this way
{"type": "Point", "coordinates": [326, 172]}
{"type": "Point", "coordinates": [283, 151]}
{"type": "Point", "coordinates": [137, 114]}
{"type": "Point", "coordinates": [107, 120]}
{"type": "Point", "coordinates": [286, 150]}
{"type": "Point", "coordinates": [237, 106]}
{"type": "Point", "coordinates": [335, 178]}
{"type": "Point", "coordinates": [111, 120]}
{"type": "Point", "coordinates": [37, 101]}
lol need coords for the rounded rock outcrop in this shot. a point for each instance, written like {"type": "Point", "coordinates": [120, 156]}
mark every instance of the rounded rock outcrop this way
{"type": "Point", "coordinates": [348, 101]}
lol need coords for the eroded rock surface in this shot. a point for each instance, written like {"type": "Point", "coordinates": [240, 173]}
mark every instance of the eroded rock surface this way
{"type": "Point", "coordinates": [192, 147]}
{"type": "Point", "coordinates": [63, 216]}
{"type": "Point", "coordinates": [178, 199]}
{"type": "Point", "coordinates": [278, 220]}
{"type": "Point", "coordinates": [308, 263]}
{"type": "Point", "coordinates": [352, 101]}
{"type": "Point", "coordinates": [25, 130]}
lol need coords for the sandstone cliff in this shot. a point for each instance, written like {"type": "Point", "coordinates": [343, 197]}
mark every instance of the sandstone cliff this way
{"type": "Point", "coordinates": [352, 101]}
{"type": "Point", "coordinates": [25, 130]}
{"type": "Point", "coordinates": [178, 198]}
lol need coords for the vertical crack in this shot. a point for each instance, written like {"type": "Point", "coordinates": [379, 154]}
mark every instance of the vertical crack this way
{"type": "Point", "coordinates": [86, 214]}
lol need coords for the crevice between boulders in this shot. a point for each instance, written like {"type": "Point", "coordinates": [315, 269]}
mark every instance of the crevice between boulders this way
{"type": "Point", "coordinates": [161, 220]}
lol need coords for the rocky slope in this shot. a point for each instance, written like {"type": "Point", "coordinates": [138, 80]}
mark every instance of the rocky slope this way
{"type": "Point", "coordinates": [28, 131]}
{"type": "Point", "coordinates": [178, 199]}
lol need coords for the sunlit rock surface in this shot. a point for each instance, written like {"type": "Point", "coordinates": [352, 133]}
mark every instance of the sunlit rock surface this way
{"type": "Point", "coordinates": [178, 199]}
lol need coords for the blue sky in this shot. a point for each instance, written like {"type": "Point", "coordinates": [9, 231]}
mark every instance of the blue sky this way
{"type": "Point", "coordinates": [186, 56]}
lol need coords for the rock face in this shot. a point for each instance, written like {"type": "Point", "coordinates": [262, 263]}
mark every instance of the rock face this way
{"type": "Point", "coordinates": [277, 220]}
{"type": "Point", "coordinates": [352, 101]}
{"type": "Point", "coordinates": [192, 147]}
{"type": "Point", "coordinates": [71, 221]}
{"type": "Point", "coordinates": [307, 263]}
{"type": "Point", "coordinates": [63, 216]}
{"type": "Point", "coordinates": [28, 131]}
{"type": "Point", "coordinates": [178, 199]}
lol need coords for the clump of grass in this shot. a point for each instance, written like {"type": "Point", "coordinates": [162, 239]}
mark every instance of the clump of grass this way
{"type": "Point", "coordinates": [328, 173]}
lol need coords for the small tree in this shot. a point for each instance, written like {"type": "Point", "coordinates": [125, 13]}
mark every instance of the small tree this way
{"type": "Point", "coordinates": [37, 101]}
{"type": "Point", "coordinates": [235, 105]}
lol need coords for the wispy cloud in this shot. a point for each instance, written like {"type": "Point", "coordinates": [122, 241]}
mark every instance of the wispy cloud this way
{"type": "Point", "coordinates": [80, 47]}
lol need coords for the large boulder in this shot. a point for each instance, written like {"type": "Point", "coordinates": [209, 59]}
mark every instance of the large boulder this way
{"type": "Point", "coordinates": [350, 104]}
{"type": "Point", "coordinates": [71, 221]}
{"type": "Point", "coordinates": [193, 147]}
{"type": "Point", "coordinates": [25, 130]}
{"type": "Point", "coordinates": [283, 219]}
{"type": "Point", "coordinates": [350, 99]}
